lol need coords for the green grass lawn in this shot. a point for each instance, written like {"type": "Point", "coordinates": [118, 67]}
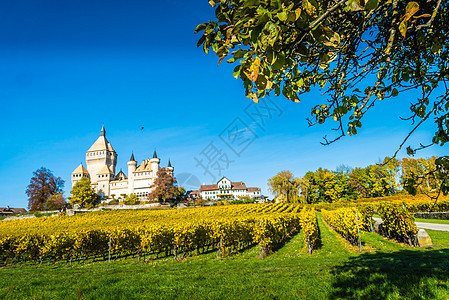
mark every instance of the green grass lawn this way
{"type": "Point", "coordinates": [432, 221]}
{"type": "Point", "coordinates": [385, 270]}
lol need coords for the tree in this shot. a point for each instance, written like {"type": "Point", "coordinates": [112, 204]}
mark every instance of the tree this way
{"type": "Point", "coordinates": [56, 202]}
{"type": "Point", "coordinates": [83, 194]}
{"type": "Point", "coordinates": [325, 186]}
{"type": "Point", "coordinates": [131, 199]}
{"type": "Point", "coordinates": [376, 180]}
{"type": "Point", "coordinates": [42, 186]}
{"type": "Point", "coordinates": [419, 175]}
{"type": "Point", "coordinates": [356, 52]}
{"type": "Point", "coordinates": [163, 187]}
{"type": "Point", "coordinates": [285, 184]}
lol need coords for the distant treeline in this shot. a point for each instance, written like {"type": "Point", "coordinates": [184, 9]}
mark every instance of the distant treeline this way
{"type": "Point", "coordinates": [389, 177]}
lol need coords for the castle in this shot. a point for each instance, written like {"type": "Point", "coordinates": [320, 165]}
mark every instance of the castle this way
{"type": "Point", "coordinates": [101, 160]}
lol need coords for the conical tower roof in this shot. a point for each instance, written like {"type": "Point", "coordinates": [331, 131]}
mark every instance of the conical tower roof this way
{"type": "Point", "coordinates": [101, 143]}
{"type": "Point", "coordinates": [80, 170]}
{"type": "Point", "coordinates": [132, 157]}
{"type": "Point", "coordinates": [105, 170]}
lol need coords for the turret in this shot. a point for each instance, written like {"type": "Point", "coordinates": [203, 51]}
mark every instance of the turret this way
{"type": "Point", "coordinates": [154, 163]}
{"type": "Point", "coordinates": [78, 174]}
{"type": "Point", "coordinates": [169, 168]}
{"type": "Point", "coordinates": [132, 165]}
{"type": "Point", "coordinates": [99, 154]}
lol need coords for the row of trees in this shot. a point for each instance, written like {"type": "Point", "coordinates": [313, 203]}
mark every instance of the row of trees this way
{"type": "Point", "coordinates": [384, 179]}
{"type": "Point", "coordinates": [45, 191]}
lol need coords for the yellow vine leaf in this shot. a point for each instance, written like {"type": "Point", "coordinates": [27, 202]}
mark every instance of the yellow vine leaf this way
{"type": "Point", "coordinates": [253, 70]}
{"type": "Point", "coordinates": [411, 9]}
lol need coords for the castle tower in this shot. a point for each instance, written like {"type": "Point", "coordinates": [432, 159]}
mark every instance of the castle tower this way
{"type": "Point", "coordinates": [100, 154]}
{"type": "Point", "coordinates": [104, 176]}
{"type": "Point", "coordinates": [154, 163]}
{"type": "Point", "coordinates": [169, 168]}
{"type": "Point", "coordinates": [79, 173]}
{"type": "Point", "coordinates": [132, 165]}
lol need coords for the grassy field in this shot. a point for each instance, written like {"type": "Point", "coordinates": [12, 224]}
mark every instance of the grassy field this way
{"type": "Point", "coordinates": [432, 221]}
{"type": "Point", "coordinates": [385, 270]}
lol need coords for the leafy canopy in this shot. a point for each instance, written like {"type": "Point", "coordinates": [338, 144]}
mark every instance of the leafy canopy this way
{"type": "Point", "coordinates": [83, 194]}
{"type": "Point", "coordinates": [163, 187]}
{"type": "Point", "coordinates": [356, 52]}
{"type": "Point", "coordinates": [43, 185]}
{"type": "Point", "coordinates": [285, 186]}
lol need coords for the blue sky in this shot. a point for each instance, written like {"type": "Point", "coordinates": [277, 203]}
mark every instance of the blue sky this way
{"type": "Point", "coordinates": [68, 67]}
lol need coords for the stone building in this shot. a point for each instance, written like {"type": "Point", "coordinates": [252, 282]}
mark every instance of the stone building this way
{"type": "Point", "coordinates": [101, 161]}
{"type": "Point", "coordinates": [226, 189]}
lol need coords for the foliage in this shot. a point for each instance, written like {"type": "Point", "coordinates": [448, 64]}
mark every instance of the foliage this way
{"type": "Point", "coordinates": [147, 231]}
{"type": "Point", "coordinates": [56, 202]}
{"type": "Point", "coordinates": [309, 225]}
{"type": "Point", "coordinates": [284, 183]}
{"type": "Point", "coordinates": [427, 176]}
{"type": "Point", "coordinates": [83, 194]}
{"type": "Point", "coordinates": [398, 222]}
{"type": "Point", "coordinates": [375, 180]}
{"type": "Point", "coordinates": [325, 186]}
{"type": "Point", "coordinates": [131, 199]}
{"type": "Point", "coordinates": [355, 52]}
{"type": "Point", "coordinates": [344, 221]}
{"type": "Point", "coordinates": [163, 188]}
{"type": "Point", "coordinates": [331, 273]}
{"type": "Point", "coordinates": [42, 186]}
{"type": "Point", "coordinates": [418, 175]}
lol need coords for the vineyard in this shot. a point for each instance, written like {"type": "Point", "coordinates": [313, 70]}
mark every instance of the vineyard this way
{"type": "Point", "coordinates": [150, 234]}
{"type": "Point", "coordinates": [147, 234]}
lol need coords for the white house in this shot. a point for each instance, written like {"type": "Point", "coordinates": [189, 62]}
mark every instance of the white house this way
{"type": "Point", "coordinates": [226, 189]}
{"type": "Point", "coordinates": [101, 160]}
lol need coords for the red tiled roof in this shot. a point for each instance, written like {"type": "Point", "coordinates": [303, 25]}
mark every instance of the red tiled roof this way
{"type": "Point", "coordinates": [7, 210]}
{"type": "Point", "coordinates": [238, 185]}
{"type": "Point", "coordinates": [209, 187]}
{"type": "Point", "coordinates": [214, 187]}
{"type": "Point", "coordinates": [253, 189]}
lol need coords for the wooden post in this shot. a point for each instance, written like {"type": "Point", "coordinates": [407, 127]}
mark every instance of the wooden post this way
{"type": "Point", "coordinates": [109, 251]}
{"type": "Point", "coordinates": [219, 247]}
{"type": "Point", "coordinates": [309, 245]}
{"type": "Point", "coordinates": [358, 230]}
{"type": "Point", "coordinates": [262, 250]}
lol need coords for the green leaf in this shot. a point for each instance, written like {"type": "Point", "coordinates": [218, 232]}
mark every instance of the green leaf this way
{"type": "Point", "coordinates": [371, 4]}
{"type": "Point", "coordinates": [279, 62]}
{"type": "Point", "coordinates": [236, 72]}
{"type": "Point", "coordinates": [282, 16]}
{"type": "Point", "coordinates": [200, 27]}
{"type": "Point", "coordinates": [354, 5]}
{"type": "Point", "coordinates": [394, 92]}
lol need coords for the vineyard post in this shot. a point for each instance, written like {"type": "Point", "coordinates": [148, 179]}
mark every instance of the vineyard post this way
{"type": "Point", "coordinates": [219, 248]}
{"type": "Point", "coordinates": [81, 254]}
{"type": "Point", "coordinates": [25, 251]}
{"type": "Point", "coordinates": [109, 251]}
{"type": "Point", "coordinates": [309, 244]}
{"type": "Point", "coordinates": [358, 230]}
{"type": "Point", "coordinates": [262, 251]}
